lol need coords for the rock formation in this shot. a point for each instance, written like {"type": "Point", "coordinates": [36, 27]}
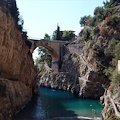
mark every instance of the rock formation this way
{"type": "Point", "coordinates": [89, 67]}
{"type": "Point", "coordinates": [78, 73]}
{"type": "Point", "coordinates": [17, 73]}
{"type": "Point", "coordinates": [91, 61]}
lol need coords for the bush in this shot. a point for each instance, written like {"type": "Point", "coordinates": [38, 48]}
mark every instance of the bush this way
{"type": "Point", "coordinates": [117, 118]}
{"type": "Point", "coordinates": [112, 117]}
{"type": "Point", "coordinates": [93, 21]}
{"type": "Point", "coordinates": [109, 71]}
{"type": "Point", "coordinates": [87, 34]}
{"type": "Point", "coordinates": [115, 20]}
{"type": "Point", "coordinates": [110, 50]}
{"type": "Point", "coordinates": [107, 12]}
{"type": "Point", "coordinates": [113, 52]}
{"type": "Point", "coordinates": [96, 30]}
{"type": "Point", "coordinates": [84, 20]}
{"type": "Point", "coordinates": [115, 78]}
{"type": "Point", "coordinates": [117, 54]}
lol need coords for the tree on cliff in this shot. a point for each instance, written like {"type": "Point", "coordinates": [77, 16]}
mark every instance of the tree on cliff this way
{"type": "Point", "coordinates": [47, 37]}
{"type": "Point", "coordinates": [68, 35]}
{"type": "Point", "coordinates": [83, 20]}
{"type": "Point", "coordinates": [57, 34]}
{"type": "Point", "coordinates": [100, 13]}
{"type": "Point", "coordinates": [63, 35]}
{"type": "Point", "coordinates": [111, 4]}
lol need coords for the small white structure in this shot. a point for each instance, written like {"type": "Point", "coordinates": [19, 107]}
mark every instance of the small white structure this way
{"type": "Point", "coordinates": [119, 66]}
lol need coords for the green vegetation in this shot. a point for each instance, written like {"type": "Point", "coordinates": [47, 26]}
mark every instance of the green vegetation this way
{"type": "Point", "coordinates": [63, 35]}
{"type": "Point", "coordinates": [57, 34]}
{"type": "Point", "coordinates": [47, 37]}
{"type": "Point", "coordinates": [113, 117]}
{"type": "Point", "coordinates": [102, 32]}
{"type": "Point", "coordinates": [84, 20]}
{"type": "Point", "coordinates": [111, 4]}
{"type": "Point", "coordinates": [44, 56]}
{"type": "Point", "coordinates": [68, 36]}
{"type": "Point", "coordinates": [100, 13]}
{"type": "Point", "coordinates": [117, 118]}
{"type": "Point", "coordinates": [96, 30]}
{"type": "Point", "coordinates": [87, 34]}
{"type": "Point", "coordinates": [112, 51]}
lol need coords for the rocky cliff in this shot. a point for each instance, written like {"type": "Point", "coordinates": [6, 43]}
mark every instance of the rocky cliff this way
{"type": "Point", "coordinates": [17, 73]}
{"type": "Point", "coordinates": [78, 73]}
{"type": "Point", "coordinates": [89, 66]}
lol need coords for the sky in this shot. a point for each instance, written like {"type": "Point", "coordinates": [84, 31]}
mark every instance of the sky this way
{"type": "Point", "coordinates": [42, 16]}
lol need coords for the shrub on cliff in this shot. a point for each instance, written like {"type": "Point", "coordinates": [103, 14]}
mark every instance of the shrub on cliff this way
{"type": "Point", "coordinates": [87, 34]}
{"type": "Point", "coordinates": [96, 30]}
{"type": "Point", "coordinates": [115, 78]}
{"type": "Point", "coordinates": [11, 5]}
{"type": "Point", "coordinates": [115, 22]}
{"type": "Point", "coordinates": [111, 4]}
{"type": "Point", "coordinates": [112, 51]}
{"type": "Point", "coordinates": [84, 20]}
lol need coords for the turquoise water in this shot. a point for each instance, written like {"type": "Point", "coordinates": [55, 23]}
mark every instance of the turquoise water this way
{"type": "Point", "coordinates": [54, 103]}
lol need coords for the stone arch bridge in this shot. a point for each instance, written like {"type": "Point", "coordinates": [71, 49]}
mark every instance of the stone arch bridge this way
{"type": "Point", "coordinates": [55, 47]}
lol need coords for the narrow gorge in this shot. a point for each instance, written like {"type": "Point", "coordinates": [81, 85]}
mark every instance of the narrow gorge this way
{"type": "Point", "coordinates": [88, 69]}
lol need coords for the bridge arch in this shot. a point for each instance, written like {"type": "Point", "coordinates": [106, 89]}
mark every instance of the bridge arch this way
{"type": "Point", "coordinates": [55, 48]}
{"type": "Point", "coordinates": [52, 51]}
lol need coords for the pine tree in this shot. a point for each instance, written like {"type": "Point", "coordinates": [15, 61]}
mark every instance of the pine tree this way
{"type": "Point", "coordinates": [58, 33]}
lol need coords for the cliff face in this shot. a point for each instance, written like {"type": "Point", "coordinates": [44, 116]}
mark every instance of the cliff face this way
{"type": "Point", "coordinates": [78, 73]}
{"type": "Point", "coordinates": [17, 74]}
{"type": "Point", "coordinates": [61, 80]}
{"type": "Point", "coordinates": [84, 66]}
{"type": "Point", "coordinates": [92, 61]}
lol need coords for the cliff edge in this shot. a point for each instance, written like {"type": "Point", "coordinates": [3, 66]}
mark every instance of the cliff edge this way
{"type": "Point", "coordinates": [17, 74]}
